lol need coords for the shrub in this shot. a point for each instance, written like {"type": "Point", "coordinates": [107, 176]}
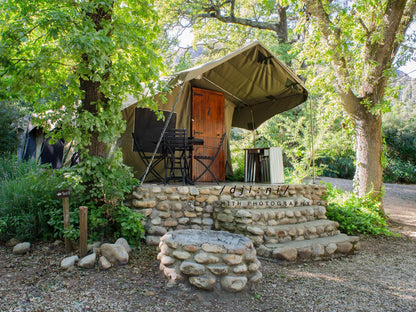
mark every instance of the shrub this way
{"type": "Point", "coordinates": [399, 171]}
{"type": "Point", "coordinates": [337, 167]}
{"type": "Point", "coordinates": [31, 211]}
{"type": "Point", "coordinates": [21, 216]}
{"type": "Point", "coordinates": [356, 215]}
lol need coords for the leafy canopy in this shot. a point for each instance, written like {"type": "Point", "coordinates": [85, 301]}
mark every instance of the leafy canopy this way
{"type": "Point", "coordinates": [48, 46]}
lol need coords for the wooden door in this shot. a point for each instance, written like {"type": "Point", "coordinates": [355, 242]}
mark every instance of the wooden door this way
{"type": "Point", "coordinates": [208, 124]}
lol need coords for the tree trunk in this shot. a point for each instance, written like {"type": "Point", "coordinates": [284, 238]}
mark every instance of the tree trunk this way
{"type": "Point", "coordinates": [369, 146]}
{"type": "Point", "coordinates": [92, 88]}
{"type": "Point", "coordinates": [92, 95]}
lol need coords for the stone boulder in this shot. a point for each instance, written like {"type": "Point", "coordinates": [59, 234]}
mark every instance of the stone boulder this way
{"type": "Point", "coordinates": [123, 242]}
{"type": "Point", "coordinates": [21, 248]}
{"type": "Point", "coordinates": [115, 253]}
{"type": "Point", "coordinates": [69, 262]}
{"type": "Point", "coordinates": [88, 262]}
{"type": "Point", "coordinates": [103, 263]}
{"type": "Point", "coordinates": [12, 242]}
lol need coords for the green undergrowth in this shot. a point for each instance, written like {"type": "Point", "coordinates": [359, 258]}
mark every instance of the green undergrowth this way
{"type": "Point", "coordinates": [29, 209]}
{"type": "Point", "coordinates": [356, 215]}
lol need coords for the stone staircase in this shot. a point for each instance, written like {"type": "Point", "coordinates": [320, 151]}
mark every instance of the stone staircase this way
{"type": "Point", "coordinates": [285, 222]}
{"type": "Point", "coordinates": [290, 228]}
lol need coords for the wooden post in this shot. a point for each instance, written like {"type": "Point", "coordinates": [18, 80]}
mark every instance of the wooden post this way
{"type": "Point", "coordinates": [64, 194]}
{"type": "Point", "coordinates": [67, 223]}
{"type": "Point", "coordinates": [83, 236]}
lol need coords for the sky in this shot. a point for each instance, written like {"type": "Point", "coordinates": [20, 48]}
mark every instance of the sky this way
{"type": "Point", "coordinates": [409, 69]}
{"type": "Point", "coordinates": [187, 37]}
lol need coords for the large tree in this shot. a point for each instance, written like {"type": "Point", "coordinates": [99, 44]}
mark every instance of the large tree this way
{"type": "Point", "coordinates": [74, 61]}
{"type": "Point", "coordinates": [358, 40]}
{"type": "Point", "coordinates": [361, 41]}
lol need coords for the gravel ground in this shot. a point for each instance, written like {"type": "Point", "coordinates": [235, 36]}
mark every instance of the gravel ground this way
{"type": "Point", "coordinates": [380, 277]}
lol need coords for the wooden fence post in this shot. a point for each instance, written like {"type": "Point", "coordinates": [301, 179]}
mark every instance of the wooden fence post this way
{"type": "Point", "coordinates": [64, 194]}
{"type": "Point", "coordinates": [83, 235]}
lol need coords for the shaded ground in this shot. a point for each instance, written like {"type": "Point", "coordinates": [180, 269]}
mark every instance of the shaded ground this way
{"type": "Point", "coordinates": [380, 277]}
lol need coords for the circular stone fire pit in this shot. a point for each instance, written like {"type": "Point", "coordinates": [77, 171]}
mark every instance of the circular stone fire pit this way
{"type": "Point", "coordinates": [209, 259]}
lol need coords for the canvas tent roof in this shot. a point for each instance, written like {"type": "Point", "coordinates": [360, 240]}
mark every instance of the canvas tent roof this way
{"type": "Point", "coordinates": [256, 86]}
{"type": "Point", "coordinates": [253, 79]}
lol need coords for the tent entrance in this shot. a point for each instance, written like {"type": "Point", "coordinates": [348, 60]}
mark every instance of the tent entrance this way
{"type": "Point", "coordinates": [207, 123]}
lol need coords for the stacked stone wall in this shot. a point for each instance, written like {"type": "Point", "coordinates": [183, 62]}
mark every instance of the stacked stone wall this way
{"type": "Point", "coordinates": [227, 207]}
{"type": "Point", "coordinates": [209, 259]}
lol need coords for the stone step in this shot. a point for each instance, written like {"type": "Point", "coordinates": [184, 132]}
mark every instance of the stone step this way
{"type": "Point", "coordinates": [273, 234]}
{"type": "Point", "coordinates": [271, 216]}
{"type": "Point", "coordinates": [313, 249]}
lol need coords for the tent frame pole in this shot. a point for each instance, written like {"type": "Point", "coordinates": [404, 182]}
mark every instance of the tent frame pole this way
{"type": "Point", "coordinates": [222, 89]}
{"type": "Point", "coordinates": [312, 142]}
{"type": "Point", "coordinates": [162, 134]}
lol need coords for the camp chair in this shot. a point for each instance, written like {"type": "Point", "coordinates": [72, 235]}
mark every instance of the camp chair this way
{"type": "Point", "coordinates": [146, 156]}
{"type": "Point", "coordinates": [176, 155]}
{"type": "Point", "coordinates": [207, 161]}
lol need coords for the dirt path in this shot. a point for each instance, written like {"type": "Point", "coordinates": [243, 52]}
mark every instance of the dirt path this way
{"type": "Point", "coordinates": [399, 202]}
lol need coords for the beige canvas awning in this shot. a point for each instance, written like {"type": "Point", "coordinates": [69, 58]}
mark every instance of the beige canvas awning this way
{"type": "Point", "coordinates": [256, 86]}
{"type": "Point", "coordinates": [259, 85]}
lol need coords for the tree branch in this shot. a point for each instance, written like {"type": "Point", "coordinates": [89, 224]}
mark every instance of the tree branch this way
{"type": "Point", "coordinates": [280, 28]}
{"type": "Point", "coordinates": [332, 36]}
{"type": "Point", "coordinates": [382, 52]}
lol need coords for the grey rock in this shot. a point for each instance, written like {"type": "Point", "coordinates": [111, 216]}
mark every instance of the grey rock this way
{"type": "Point", "coordinates": [103, 263]}
{"type": "Point", "coordinates": [331, 248]}
{"type": "Point", "coordinates": [204, 257]}
{"type": "Point", "coordinates": [344, 247]}
{"type": "Point", "coordinates": [285, 253]}
{"type": "Point", "coordinates": [69, 262]}
{"type": "Point", "coordinates": [233, 283]}
{"type": "Point", "coordinates": [21, 248]}
{"type": "Point", "coordinates": [88, 262]}
{"type": "Point", "coordinates": [256, 277]}
{"type": "Point", "coordinates": [192, 268]}
{"type": "Point", "coordinates": [152, 240]}
{"type": "Point", "coordinates": [318, 250]}
{"type": "Point", "coordinates": [202, 282]}
{"type": "Point", "coordinates": [182, 255]}
{"type": "Point", "coordinates": [218, 269]}
{"type": "Point", "coordinates": [114, 253]}
{"type": "Point", "coordinates": [157, 230]}
{"type": "Point", "coordinates": [12, 242]}
{"type": "Point", "coordinates": [123, 242]}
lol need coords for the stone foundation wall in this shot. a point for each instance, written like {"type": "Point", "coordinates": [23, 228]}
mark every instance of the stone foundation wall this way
{"type": "Point", "coordinates": [209, 259]}
{"type": "Point", "coordinates": [221, 207]}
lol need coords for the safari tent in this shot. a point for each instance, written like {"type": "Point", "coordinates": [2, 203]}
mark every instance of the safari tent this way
{"type": "Point", "coordinates": [242, 89]}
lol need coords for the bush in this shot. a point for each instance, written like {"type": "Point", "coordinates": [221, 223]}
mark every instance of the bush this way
{"type": "Point", "coordinates": [21, 216]}
{"type": "Point", "coordinates": [356, 215]}
{"type": "Point", "coordinates": [30, 210]}
{"type": "Point", "coordinates": [337, 167]}
{"type": "Point", "coordinates": [399, 171]}
{"type": "Point", "coordinates": [400, 148]}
